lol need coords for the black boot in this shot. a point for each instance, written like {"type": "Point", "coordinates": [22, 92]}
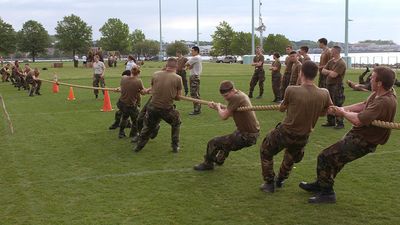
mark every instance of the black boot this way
{"type": "Point", "coordinates": [204, 166]}
{"type": "Point", "coordinates": [268, 187]}
{"type": "Point", "coordinates": [325, 196]}
{"type": "Point", "coordinates": [310, 187]}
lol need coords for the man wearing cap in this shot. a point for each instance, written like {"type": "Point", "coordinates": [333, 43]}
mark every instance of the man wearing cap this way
{"type": "Point", "coordinates": [303, 105]}
{"type": "Point", "coordinates": [245, 135]}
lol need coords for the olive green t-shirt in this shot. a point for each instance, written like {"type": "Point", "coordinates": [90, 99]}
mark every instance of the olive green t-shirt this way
{"type": "Point", "coordinates": [278, 66]}
{"type": "Point", "coordinates": [377, 108]}
{"type": "Point", "coordinates": [326, 55]}
{"type": "Point", "coordinates": [164, 87]}
{"type": "Point", "coordinates": [181, 63]}
{"type": "Point", "coordinates": [288, 64]}
{"type": "Point", "coordinates": [259, 58]}
{"type": "Point", "coordinates": [296, 67]}
{"type": "Point", "coordinates": [305, 103]}
{"type": "Point", "coordinates": [245, 121]}
{"type": "Point", "coordinates": [130, 88]}
{"type": "Point", "coordinates": [339, 67]}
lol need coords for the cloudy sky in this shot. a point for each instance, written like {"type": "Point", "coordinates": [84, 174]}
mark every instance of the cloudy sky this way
{"type": "Point", "coordinates": [296, 19]}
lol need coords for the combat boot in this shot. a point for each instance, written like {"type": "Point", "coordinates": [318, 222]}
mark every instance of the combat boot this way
{"type": "Point", "coordinates": [310, 187]}
{"type": "Point", "coordinates": [325, 196]}
{"type": "Point", "coordinates": [279, 182]}
{"type": "Point", "coordinates": [268, 187]}
{"type": "Point", "coordinates": [204, 166]}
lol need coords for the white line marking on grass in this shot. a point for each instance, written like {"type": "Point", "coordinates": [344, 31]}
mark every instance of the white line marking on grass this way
{"type": "Point", "coordinates": [7, 115]}
{"type": "Point", "coordinates": [55, 113]}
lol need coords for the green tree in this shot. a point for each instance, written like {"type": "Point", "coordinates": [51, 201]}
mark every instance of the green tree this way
{"type": "Point", "coordinates": [177, 46]}
{"type": "Point", "coordinates": [137, 37]}
{"type": "Point", "coordinates": [33, 38]}
{"type": "Point", "coordinates": [7, 38]}
{"type": "Point", "coordinates": [115, 36]}
{"type": "Point", "coordinates": [74, 35]}
{"type": "Point", "coordinates": [276, 43]}
{"type": "Point", "coordinates": [222, 39]}
{"type": "Point", "coordinates": [148, 47]}
{"type": "Point", "coordinates": [241, 43]}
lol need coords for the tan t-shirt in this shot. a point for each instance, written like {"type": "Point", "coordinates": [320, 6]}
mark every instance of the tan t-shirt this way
{"type": "Point", "coordinates": [164, 87]}
{"type": "Point", "coordinates": [296, 67]}
{"type": "Point", "coordinates": [339, 67]}
{"type": "Point", "coordinates": [98, 67]}
{"type": "Point", "coordinates": [288, 64]}
{"type": "Point", "coordinates": [130, 88]}
{"type": "Point", "coordinates": [326, 55]}
{"type": "Point", "coordinates": [278, 66]}
{"type": "Point", "coordinates": [259, 58]}
{"type": "Point", "coordinates": [305, 104]}
{"type": "Point", "coordinates": [377, 108]}
{"type": "Point", "coordinates": [245, 121]}
{"type": "Point", "coordinates": [181, 63]}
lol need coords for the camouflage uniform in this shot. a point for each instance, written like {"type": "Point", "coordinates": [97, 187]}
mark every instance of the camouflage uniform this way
{"type": "Point", "coordinates": [182, 74]}
{"type": "Point", "coordinates": [195, 91]}
{"type": "Point", "coordinates": [128, 112]}
{"type": "Point", "coordinates": [258, 76]}
{"type": "Point", "coordinates": [273, 143]}
{"type": "Point", "coordinates": [152, 120]}
{"type": "Point", "coordinates": [336, 91]}
{"type": "Point", "coordinates": [332, 159]}
{"type": "Point", "coordinates": [96, 80]}
{"type": "Point", "coordinates": [286, 77]}
{"type": "Point", "coordinates": [218, 148]}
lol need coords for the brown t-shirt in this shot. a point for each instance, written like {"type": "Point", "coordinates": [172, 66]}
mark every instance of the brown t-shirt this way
{"type": "Point", "coordinates": [377, 108]}
{"type": "Point", "coordinates": [259, 58]}
{"type": "Point", "coordinates": [278, 66]}
{"type": "Point", "coordinates": [339, 67]}
{"type": "Point", "coordinates": [305, 58]}
{"type": "Point", "coordinates": [164, 87]}
{"type": "Point", "coordinates": [326, 55]}
{"type": "Point", "coordinates": [305, 104]}
{"type": "Point", "coordinates": [245, 121]}
{"type": "Point", "coordinates": [181, 63]}
{"type": "Point", "coordinates": [130, 88]}
{"type": "Point", "coordinates": [296, 67]}
{"type": "Point", "coordinates": [288, 64]}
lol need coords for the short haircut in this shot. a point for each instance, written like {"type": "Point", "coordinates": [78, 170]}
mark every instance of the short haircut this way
{"type": "Point", "coordinates": [277, 55]}
{"type": "Point", "coordinates": [130, 57]}
{"type": "Point", "coordinates": [292, 52]}
{"type": "Point", "coordinates": [172, 62]}
{"type": "Point", "coordinates": [304, 48]}
{"type": "Point", "coordinates": [226, 86]}
{"type": "Point", "coordinates": [323, 41]}
{"type": "Point", "coordinates": [126, 73]}
{"type": "Point", "coordinates": [309, 69]}
{"type": "Point", "coordinates": [196, 49]}
{"type": "Point", "coordinates": [135, 71]}
{"type": "Point", "coordinates": [385, 75]}
{"type": "Point", "coordinates": [338, 48]}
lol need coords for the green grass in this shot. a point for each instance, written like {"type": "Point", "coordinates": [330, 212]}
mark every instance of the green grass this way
{"type": "Point", "coordinates": [63, 166]}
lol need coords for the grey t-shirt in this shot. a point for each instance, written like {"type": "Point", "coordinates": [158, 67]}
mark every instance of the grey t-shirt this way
{"type": "Point", "coordinates": [98, 67]}
{"type": "Point", "coordinates": [197, 67]}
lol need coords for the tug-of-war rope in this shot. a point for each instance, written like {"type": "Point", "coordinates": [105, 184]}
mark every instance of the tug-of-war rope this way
{"type": "Point", "coordinates": [378, 123]}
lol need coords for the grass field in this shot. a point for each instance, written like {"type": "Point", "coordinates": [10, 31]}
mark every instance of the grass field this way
{"type": "Point", "coordinates": [63, 166]}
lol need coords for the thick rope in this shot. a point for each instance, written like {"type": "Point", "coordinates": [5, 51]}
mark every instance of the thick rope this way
{"type": "Point", "coordinates": [7, 115]}
{"type": "Point", "coordinates": [80, 86]}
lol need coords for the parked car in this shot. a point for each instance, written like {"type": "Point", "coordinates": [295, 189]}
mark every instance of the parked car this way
{"type": "Point", "coordinates": [227, 59]}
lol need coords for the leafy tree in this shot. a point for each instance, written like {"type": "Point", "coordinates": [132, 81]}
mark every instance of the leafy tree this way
{"type": "Point", "coordinates": [177, 46]}
{"type": "Point", "coordinates": [137, 37]}
{"type": "Point", "coordinates": [7, 38]}
{"type": "Point", "coordinates": [148, 47]}
{"type": "Point", "coordinates": [33, 38]}
{"type": "Point", "coordinates": [74, 34]}
{"type": "Point", "coordinates": [241, 43]}
{"type": "Point", "coordinates": [222, 38]}
{"type": "Point", "coordinates": [276, 43]}
{"type": "Point", "coordinates": [115, 36]}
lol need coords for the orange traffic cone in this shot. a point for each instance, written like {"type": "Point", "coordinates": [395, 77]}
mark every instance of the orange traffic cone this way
{"type": "Point", "coordinates": [71, 96]}
{"type": "Point", "coordinates": [55, 88]}
{"type": "Point", "coordinates": [107, 103]}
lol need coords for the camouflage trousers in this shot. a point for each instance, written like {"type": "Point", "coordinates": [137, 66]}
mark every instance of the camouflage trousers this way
{"type": "Point", "coordinates": [182, 74]}
{"type": "Point", "coordinates": [152, 120]}
{"type": "Point", "coordinates": [128, 112]}
{"type": "Point", "coordinates": [321, 80]}
{"type": "Point", "coordinates": [195, 91]}
{"type": "Point", "coordinates": [332, 159]}
{"type": "Point", "coordinates": [5, 76]}
{"type": "Point", "coordinates": [258, 76]}
{"type": "Point", "coordinates": [275, 141]}
{"type": "Point", "coordinates": [336, 91]}
{"type": "Point", "coordinates": [96, 80]}
{"type": "Point", "coordinates": [276, 85]}
{"type": "Point", "coordinates": [218, 148]}
{"type": "Point", "coordinates": [284, 84]}
{"type": "Point", "coordinates": [34, 86]}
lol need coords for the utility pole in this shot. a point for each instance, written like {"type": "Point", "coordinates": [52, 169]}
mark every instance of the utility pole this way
{"type": "Point", "coordinates": [160, 56]}
{"type": "Point", "coordinates": [252, 28]}
{"type": "Point", "coordinates": [197, 7]}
